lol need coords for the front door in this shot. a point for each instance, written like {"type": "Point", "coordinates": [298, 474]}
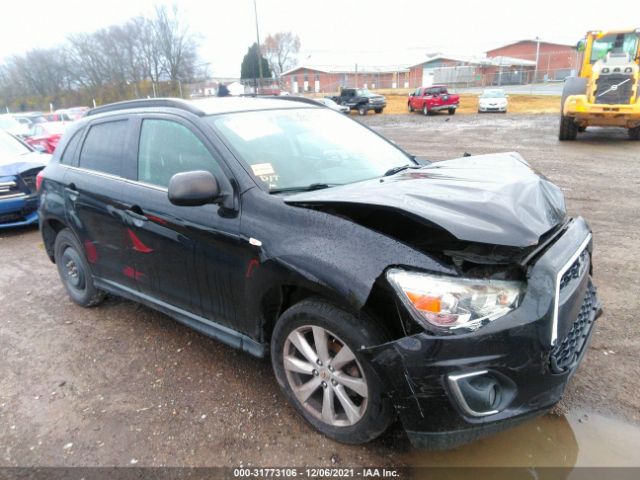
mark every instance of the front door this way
{"type": "Point", "coordinates": [187, 257]}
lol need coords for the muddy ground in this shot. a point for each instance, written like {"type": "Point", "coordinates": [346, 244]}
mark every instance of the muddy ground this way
{"type": "Point", "coordinates": [123, 385]}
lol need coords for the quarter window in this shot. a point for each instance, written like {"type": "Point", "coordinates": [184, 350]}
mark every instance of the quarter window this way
{"type": "Point", "coordinates": [70, 149]}
{"type": "Point", "coordinates": [167, 148]}
{"type": "Point", "coordinates": [104, 147]}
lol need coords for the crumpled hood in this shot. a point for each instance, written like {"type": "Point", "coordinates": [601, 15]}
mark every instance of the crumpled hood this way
{"type": "Point", "coordinates": [496, 199]}
{"type": "Point", "coordinates": [23, 163]}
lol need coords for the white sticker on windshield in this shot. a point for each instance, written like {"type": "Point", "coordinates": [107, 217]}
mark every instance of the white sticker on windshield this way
{"type": "Point", "coordinates": [260, 169]}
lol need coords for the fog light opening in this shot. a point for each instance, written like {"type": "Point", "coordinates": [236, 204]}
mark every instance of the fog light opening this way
{"type": "Point", "coordinates": [479, 394]}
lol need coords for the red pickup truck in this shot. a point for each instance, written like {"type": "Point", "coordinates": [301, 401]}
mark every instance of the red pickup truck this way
{"type": "Point", "coordinates": [433, 99]}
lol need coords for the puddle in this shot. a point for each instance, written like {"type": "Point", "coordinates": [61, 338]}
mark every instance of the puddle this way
{"type": "Point", "coordinates": [578, 439]}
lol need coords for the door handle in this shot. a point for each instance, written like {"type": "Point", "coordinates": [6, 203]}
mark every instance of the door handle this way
{"type": "Point", "coordinates": [136, 213]}
{"type": "Point", "coordinates": [72, 191]}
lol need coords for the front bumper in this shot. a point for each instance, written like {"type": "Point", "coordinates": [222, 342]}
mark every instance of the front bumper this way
{"type": "Point", "coordinates": [18, 211]}
{"type": "Point", "coordinates": [597, 114]}
{"type": "Point", "coordinates": [492, 108]}
{"type": "Point", "coordinates": [517, 353]}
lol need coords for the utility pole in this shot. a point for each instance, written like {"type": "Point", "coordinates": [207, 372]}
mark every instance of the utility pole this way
{"type": "Point", "coordinates": [535, 73]}
{"type": "Point", "coordinates": [255, 9]}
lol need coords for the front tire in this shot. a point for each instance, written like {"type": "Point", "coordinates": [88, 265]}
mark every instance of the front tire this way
{"type": "Point", "coordinates": [410, 108]}
{"type": "Point", "coordinates": [634, 133]}
{"type": "Point", "coordinates": [315, 357]}
{"type": "Point", "coordinates": [362, 110]}
{"type": "Point", "coordinates": [378, 110]}
{"type": "Point", "coordinates": [568, 129]}
{"type": "Point", "coordinates": [425, 111]}
{"type": "Point", "coordinates": [74, 270]}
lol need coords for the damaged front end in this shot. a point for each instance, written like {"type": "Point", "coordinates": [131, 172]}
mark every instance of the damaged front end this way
{"type": "Point", "coordinates": [452, 387]}
{"type": "Point", "coordinates": [493, 338]}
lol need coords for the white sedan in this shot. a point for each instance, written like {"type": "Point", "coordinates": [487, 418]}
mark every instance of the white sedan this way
{"type": "Point", "coordinates": [493, 100]}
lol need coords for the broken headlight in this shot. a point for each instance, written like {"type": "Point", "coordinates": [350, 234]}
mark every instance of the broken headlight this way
{"type": "Point", "coordinates": [453, 303]}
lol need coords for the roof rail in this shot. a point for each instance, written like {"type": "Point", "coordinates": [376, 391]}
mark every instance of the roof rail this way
{"type": "Point", "coordinates": [147, 103]}
{"type": "Point", "coordinates": [293, 98]}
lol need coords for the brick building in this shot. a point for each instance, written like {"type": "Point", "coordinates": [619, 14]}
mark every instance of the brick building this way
{"type": "Point", "coordinates": [328, 79]}
{"type": "Point", "coordinates": [556, 61]}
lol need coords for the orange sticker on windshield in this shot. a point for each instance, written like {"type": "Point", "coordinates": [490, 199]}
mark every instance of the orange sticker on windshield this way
{"type": "Point", "coordinates": [260, 169]}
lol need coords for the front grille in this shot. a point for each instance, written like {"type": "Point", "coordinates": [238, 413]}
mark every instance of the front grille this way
{"type": "Point", "coordinates": [11, 217]}
{"type": "Point", "coordinates": [614, 89]}
{"type": "Point", "coordinates": [8, 189]}
{"type": "Point", "coordinates": [566, 353]}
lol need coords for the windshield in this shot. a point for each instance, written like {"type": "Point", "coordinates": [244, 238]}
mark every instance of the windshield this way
{"type": "Point", "coordinates": [299, 148]}
{"type": "Point", "coordinates": [363, 92]}
{"type": "Point", "coordinates": [10, 148]}
{"type": "Point", "coordinates": [616, 43]}
{"type": "Point", "coordinates": [493, 94]}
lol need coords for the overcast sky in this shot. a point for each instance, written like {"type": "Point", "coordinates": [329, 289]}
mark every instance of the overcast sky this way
{"type": "Point", "coordinates": [340, 32]}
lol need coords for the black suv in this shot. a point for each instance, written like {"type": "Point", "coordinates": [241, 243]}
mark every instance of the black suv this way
{"type": "Point", "coordinates": [455, 295]}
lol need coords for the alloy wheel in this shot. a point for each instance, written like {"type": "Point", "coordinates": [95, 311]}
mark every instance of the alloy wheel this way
{"type": "Point", "coordinates": [325, 376]}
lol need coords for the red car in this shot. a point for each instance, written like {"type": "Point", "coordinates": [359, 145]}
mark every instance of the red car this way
{"type": "Point", "coordinates": [433, 99]}
{"type": "Point", "coordinates": [45, 136]}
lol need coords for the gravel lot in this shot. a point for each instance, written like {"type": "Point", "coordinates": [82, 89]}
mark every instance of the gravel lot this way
{"type": "Point", "coordinates": [123, 385]}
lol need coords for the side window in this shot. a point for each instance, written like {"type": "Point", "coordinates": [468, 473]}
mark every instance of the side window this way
{"type": "Point", "coordinates": [104, 147]}
{"type": "Point", "coordinates": [70, 149]}
{"type": "Point", "coordinates": [167, 148]}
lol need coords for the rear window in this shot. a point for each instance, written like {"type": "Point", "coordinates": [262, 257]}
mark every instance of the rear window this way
{"type": "Point", "coordinates": [104, 146]}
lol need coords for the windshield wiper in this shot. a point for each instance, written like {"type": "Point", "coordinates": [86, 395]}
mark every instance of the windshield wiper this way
{"type": "Point", "coordinates": [394, 170]}
{"type": "Point", "coordinates": [306, 188]}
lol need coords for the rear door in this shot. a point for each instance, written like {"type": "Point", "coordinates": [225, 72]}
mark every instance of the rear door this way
{"type": "Point", "coordinates": [188, 257]}
{"type": "Point", "coordinates": [93, 190]}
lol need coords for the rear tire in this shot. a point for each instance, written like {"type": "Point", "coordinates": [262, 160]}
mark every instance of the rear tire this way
{"type": "Point", "coordinates": [74, 270]}
{"type": "Point", "coordinates": [568, 129]}
{"type": "Point", "coordinates": [634, 133]}
{"type": "Point", "coordinates": [452, 111]}
{"type": "Point", "coordinates": [378, 110]}
{"type": "Point", "coordinates": [331, 406]}
{"type": "Point", "coordinates": [425, 110]}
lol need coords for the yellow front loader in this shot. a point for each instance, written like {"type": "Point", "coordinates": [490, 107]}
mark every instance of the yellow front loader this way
{"type": "Point", "coordinates": [607, 91]}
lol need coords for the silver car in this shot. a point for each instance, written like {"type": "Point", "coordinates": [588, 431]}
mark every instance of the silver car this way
{"type": "Point", "coordinates": [493, 100]}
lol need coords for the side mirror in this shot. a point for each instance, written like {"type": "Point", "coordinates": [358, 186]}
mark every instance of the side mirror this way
{"type": "Point", "coordinates": [411, 94]}
{"type": "Point", "coordinates": [190, 189]}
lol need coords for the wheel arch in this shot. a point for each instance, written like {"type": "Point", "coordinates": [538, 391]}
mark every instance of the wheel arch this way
{"type": "Point", "coordinates": [49, 229]}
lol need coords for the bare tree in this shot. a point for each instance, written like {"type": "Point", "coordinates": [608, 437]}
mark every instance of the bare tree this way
{"type": "Point", "coordinates": [108, 64]}
{"type": "Point", "coordinates": [281, 50]}
{"type": "Point", "coordinates": [176, 45]}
